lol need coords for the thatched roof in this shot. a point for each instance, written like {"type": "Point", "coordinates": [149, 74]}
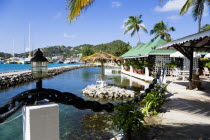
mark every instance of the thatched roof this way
{"type": "Point", "coordinates": [101, 56]}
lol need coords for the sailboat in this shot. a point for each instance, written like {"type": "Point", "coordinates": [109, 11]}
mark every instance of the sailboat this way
{"type": "Point", "coordinates": [28, 60]}
{"type": "Point", "coordinates": [12, 61]}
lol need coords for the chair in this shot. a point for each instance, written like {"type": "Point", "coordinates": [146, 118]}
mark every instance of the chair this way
{"type": "Point", "coordinates": [206, 71]}
{"type": "Point", "coordinates": [196, 71]}
{"type": "Point", "coordinates": [176, 73]}
{"type": "Point", "coordinates": [99, 80]}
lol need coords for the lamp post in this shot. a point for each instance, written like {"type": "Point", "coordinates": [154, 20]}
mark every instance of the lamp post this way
{"type": "Point", "coordinates": [39, 67]}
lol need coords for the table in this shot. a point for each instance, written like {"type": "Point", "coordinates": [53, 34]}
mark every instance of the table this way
{"type": "Point", "coordinates": [184, 73]}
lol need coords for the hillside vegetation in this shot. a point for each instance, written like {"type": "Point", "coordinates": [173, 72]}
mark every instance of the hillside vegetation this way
{"type": "Point", "coordinates": [116, 48]}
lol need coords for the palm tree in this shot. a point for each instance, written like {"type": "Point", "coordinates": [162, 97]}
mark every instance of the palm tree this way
{"type": "Point", "coordinates": [134, 24]}
{"type": "Point", "coordinates": [76, 7]}
{"type": "Point", "coordinates": [160, 29]}
{"type": "Point", "coordinates": [205, 27]}
{"type": "Point", "coordinates": [197, 9]}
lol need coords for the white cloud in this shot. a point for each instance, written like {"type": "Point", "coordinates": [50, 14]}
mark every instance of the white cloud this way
{"type": "Point", "coordinates": [57, 15]}
{"type": "Point", "coordinates": [65, 35]}
{"type": "Point", "coordinates": [171, 5]}
{"type": "Point", "coordinates": [116, 4]}
{"type": "Point", "coordinates": [174, 17]}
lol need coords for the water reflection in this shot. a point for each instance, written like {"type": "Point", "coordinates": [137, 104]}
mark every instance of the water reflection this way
{"type": "Point", "coordinates": [74, 124]}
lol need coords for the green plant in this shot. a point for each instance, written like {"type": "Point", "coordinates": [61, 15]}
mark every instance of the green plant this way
{"type": "Point", "coordinates": [137, 64]}
{"type": "Point", "coordinates": [153, 101]}
{"type": "Point", "coordinates": [127, 64]}
{"type": "Point", "coordinates": [129, 119]}
{"type": "Point", "coordinates": [172, 64]}
{"type": "Point", "coordinates": [207, 64]}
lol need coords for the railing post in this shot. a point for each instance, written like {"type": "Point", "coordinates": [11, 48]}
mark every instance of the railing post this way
{"type": "Point", "coordinates": [41, 122]}
{"type": "Point", "coordinates": [131, 69]}
{"type": "Point", "coordinates": [146, 73]}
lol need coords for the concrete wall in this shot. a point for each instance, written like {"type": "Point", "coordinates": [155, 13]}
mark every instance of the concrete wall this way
{"type": "Point", "coordinates": [41, 122]}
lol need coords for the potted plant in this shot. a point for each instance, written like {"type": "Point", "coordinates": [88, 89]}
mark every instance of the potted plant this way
{"type": "Point", "coordinates": [171, 66]}
{"type": "Point", "coordinates": [126, 65]}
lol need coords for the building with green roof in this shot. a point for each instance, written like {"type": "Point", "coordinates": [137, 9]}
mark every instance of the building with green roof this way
{"type": "Point", "coordinates": [159, 57]}
{"type": "Point", "coordinates": [144, 50]}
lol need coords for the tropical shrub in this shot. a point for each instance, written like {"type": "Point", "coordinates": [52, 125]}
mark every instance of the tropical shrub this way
{"type": "Point", "coordinates": [137, 64]}
{"type": "Point", "coordinates": [129, 119]}
{"type": "Point", "coordinates": [172, 64]}
{"type": "Point", "coordinates": [153, 101]}
{"type": "Point", "coordinates": [127, 64]}
{"type": "Point", "coordinates": [207, 64]}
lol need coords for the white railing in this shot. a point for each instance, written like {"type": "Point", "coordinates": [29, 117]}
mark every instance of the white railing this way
{"type": "Point", "coordinates": [140, 76]}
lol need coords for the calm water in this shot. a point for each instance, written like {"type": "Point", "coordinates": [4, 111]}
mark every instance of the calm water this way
{"type": "Point", "coordinates": [74, 124]}
{"type": "Point", "coordinates": [18, 67]}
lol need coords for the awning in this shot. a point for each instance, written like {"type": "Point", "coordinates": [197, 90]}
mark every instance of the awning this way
{"type": "Point", "coordinates": [180, 55]}
{"type": "Point", "coordinates": [199, 41]}
{"type": "Point", "coordinates": [207, 55]}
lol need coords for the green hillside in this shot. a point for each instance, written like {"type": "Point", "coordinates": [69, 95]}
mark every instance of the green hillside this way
{"type": "Point", "coordinates": [116, 48]}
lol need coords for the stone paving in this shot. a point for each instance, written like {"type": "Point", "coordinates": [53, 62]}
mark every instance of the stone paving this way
{"type": "Point", "coordinates": [186, 113]}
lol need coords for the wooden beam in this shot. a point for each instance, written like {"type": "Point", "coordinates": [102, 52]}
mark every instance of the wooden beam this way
{"type": "Point", "coordinates": [183, 51]}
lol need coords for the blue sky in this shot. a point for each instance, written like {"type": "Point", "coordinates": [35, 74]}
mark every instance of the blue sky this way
{"type": "Point", "coordinates": [101, 23]}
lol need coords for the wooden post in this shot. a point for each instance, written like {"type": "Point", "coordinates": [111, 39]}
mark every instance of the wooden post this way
{"type": "Point", "coordinates": [191, 69]}
{"type": "Point", "coordinates": [41, 122]}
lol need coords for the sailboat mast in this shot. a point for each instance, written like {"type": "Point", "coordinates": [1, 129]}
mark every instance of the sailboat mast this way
{"type": "Point", "coordinates": [13, 48]}
{"type": "Point", "coordinates": [29, 41]}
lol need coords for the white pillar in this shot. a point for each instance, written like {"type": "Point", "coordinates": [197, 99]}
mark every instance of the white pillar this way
{"type": "Point", "coordinates": [131, 69]}
{"type": "Point", "coordinates": [41, 122]}
{"type": "Point", "coordinates": [146, 73]}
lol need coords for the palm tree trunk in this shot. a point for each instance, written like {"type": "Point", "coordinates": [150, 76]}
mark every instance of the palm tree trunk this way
{"type": "Point", "coordinates": [138, 36]}
{"type": "Point", "coordinates": [200, 18]}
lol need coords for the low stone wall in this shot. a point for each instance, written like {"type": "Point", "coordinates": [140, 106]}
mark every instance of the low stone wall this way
{"type": "Point", "coordinates": [107, 92]}
{"type": "Point", "coordinates": [21, 78]}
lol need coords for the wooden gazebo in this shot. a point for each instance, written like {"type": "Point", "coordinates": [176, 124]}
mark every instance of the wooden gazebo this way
{"type": "Point", "coordinates": [187, 45]}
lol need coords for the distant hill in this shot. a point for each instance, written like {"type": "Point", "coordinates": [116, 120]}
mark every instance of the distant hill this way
{"type": "Point", "coordinates": [116, 48]}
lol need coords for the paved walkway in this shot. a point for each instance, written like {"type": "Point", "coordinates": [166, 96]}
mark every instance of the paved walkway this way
{"type": "Point", "coordinates": [187, 113]}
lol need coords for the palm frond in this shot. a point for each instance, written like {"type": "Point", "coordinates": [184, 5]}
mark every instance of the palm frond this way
{"type": "Point", "coordinates": [170, 29]}
{"type": "Point", "coordinates": [186, 7]}
{"type": "Point", "coordinates": [155, 37]}
{"type": "Point", "coordinates": [128, 29]}
{"type": "Point", "coordinates": [76, 7]}
{"type": "Point", "coordinates": [198, 8]}
{"type": "Point", "coordinates": [133, 32]}
{"type": "Point", "coordinates": [145, 30]}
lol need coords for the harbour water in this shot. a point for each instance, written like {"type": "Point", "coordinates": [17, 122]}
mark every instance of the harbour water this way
{"type": "Point", "coordinates": [19, 67]}
{"type": "Point", "coordinates": [74, 123]}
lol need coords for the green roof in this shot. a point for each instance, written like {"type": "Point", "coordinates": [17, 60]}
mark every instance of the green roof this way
{"type": "Point", "coordinates": [132, 51]}
{"type": "Point", "coordinates": [144, 50]}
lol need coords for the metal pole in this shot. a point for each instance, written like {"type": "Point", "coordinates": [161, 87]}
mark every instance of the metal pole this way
{"type": "Point", "coordinates": [39, 84]}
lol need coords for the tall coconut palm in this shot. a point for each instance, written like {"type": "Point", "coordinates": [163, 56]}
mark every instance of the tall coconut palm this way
{"type": "Point", "coordinates": [102, 57]}
{"type": "Point", "coordinates": [197, 9]}
{"type": "Point", "coordinates": [161, 30]}
{"type": "Point", "coordinates": [76, 7]}
{"type": "Point", "coordinates": [134, 24]}
{"type": "Point", "coordinates": [205, 27]}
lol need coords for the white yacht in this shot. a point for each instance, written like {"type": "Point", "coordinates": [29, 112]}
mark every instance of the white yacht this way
{"type": "Point", "coordinates": [26, 61]}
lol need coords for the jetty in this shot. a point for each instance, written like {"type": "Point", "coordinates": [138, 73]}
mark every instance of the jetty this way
{"type": "Point", "coordinates": [11, 79]}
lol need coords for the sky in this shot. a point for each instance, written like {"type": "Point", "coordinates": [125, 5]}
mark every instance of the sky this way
{"type": "Point", "coordinates": [101, 23]}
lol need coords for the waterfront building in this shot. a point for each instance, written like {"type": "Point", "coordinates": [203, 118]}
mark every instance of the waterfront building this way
{"type": "Point", "coordinates": [154, 60]}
